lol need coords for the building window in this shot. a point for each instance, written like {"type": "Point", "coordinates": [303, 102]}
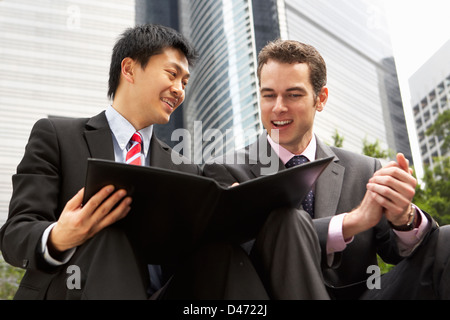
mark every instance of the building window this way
{"type": "Point", "coordinates": [432, 95]}
{"type": "Point", "coordinates": [424, 103]}
{"type": "Point", "coordinates": [444, 102]}
{"type": "Point", "coordinates": [441, 88]}
{"type": "Point", "coordinates": [421, 136]}
{"type": "Point", "coordinates": [432, 142]}
{"type": "Point", "coordinates": [418, 122]}
{"type": "Point", "coordinates": [435, 109]}
{"type": "Point", "coordinates": [424, 149]}
{"type": "Point", "coordinates": [447, 82]}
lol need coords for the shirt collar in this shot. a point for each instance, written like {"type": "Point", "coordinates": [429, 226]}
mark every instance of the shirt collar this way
{"type": "Point", "coordinates": [124, 130]}
{"type": "Point", "coordinates": [285, 155]}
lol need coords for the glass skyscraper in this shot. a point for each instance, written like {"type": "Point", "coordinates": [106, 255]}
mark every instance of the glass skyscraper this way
{"type": "Point", "coordinates": [222, 92]}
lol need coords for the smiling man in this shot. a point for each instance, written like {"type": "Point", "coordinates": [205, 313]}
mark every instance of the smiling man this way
{"type": "Point", "coordinates": [48, 229]}
{"type": "Point", "coordinates": [289, 103]}
{"type": "Point", "coordinates": [359, 209]}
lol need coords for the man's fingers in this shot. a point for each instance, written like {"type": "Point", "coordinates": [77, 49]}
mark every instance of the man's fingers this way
{"type": "Point", "coordinates": [106, 206]}
{"type": "Point", "coordinates": [97, 199]}
{"type": "Point", "coordinates": [76, 200]}
{"type": "Point", "coordinates": [403, 162]}
{"type": "Point", "coordinates": [391, 199]}
{"type": "Point", "coordinates": [116, 214]}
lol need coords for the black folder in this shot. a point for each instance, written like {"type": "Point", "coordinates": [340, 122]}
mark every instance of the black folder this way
{"type": "Point", "coordinates": [174, 212]}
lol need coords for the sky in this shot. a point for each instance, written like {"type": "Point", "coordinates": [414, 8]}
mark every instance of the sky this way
{"type": "Point", "coordinates": [418, 29]}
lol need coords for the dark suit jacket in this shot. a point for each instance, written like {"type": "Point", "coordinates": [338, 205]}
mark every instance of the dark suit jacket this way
{"type": "Point", "coordinates": [339, 189]}
{"type": "Point", "coordinates": [51, 172]}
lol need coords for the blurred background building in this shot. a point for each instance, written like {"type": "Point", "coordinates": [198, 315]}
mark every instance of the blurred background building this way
{"type": "Point", "coordinates": [55, 62]}
{"type": "Point", "coordinates": [353, 36]}
{"type": "Point", "coordinates": [430, 96]}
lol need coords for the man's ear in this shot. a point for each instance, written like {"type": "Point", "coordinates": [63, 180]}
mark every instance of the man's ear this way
{"type": "Point", "coordinates": [127, 69]}
{"type": "Point", "coordinates": [322, 99]}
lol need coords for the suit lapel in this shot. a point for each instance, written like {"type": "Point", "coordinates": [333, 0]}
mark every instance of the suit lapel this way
{"type": "Point", "coordinates": [97, 135]}
{"type": "Point", "coordinates": [160, 155]}
{"type": "Point", "coordinates": [329, 184]}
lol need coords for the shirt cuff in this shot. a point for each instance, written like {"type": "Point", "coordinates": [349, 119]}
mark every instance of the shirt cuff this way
{"type": "Point", "coordinates": [64, 258]}
{"type": "Point", "coordinates": [335, 240]}
{"type": "Point", "coordinates": [408, 240]}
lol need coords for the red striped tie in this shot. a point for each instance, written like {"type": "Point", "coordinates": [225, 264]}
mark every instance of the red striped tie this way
{"type": "Point", "coordinates": [134, 153]}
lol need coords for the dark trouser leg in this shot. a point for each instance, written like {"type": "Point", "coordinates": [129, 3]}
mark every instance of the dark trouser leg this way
{"type": "Point", "coordinates": [287, 256]}
{"type": "Point", "coordinates": [215, 272]}
{"type": "Point", "coordinates": [108, 269]}
{"type": "Point", "coordinates": [441, 270]}
{"type": "Point", "coordinates": [424, 275]}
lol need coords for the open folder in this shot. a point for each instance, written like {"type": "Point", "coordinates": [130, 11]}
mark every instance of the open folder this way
{"type": "Point", "coordinates": [174, 212]}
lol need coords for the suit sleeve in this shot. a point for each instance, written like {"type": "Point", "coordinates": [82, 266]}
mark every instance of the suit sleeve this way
{"type": "Point", "coordinates": [34, 202]}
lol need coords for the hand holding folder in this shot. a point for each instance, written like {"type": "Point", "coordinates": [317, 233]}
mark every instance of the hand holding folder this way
{"type": "Point", "coordinates": [173, 212]}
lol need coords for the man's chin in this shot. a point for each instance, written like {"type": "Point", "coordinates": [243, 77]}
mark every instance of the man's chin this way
{"type": "Point", "coordinates": [163, 120]}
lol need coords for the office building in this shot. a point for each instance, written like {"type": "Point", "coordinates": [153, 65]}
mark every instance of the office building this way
{"type": "Point", "coordinates": [222, 95]}
{"type": "Point", "coordinates": [430, 96]}
{"type": "Point", "coordinates": [54, 61]}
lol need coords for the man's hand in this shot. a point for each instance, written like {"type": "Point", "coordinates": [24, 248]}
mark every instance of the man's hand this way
{"type": "Point", "coordinates": [78, 223]}
{"type": "Point", "coordinates": [364, 217]}
{"type": "Point", "coordinates": [390, 192]}
{"type": "Point", "coordinates": [394, 188]}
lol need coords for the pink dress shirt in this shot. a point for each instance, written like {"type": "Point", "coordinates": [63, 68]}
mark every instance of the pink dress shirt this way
{"type": "Point", "coordinates": [407, 241]}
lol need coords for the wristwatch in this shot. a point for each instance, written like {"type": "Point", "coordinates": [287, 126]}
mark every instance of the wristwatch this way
{"type": "Point", "coordinates": [411, 222]}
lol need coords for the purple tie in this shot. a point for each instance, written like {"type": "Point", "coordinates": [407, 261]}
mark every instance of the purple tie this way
{"type": "Point", "coordinates": [308, 202]}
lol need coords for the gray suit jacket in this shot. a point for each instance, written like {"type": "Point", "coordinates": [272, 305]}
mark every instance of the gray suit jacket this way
{"type": "Point", "coordinates": [51, 172]}
{"type": "Point", "coordinates": [339, 189]}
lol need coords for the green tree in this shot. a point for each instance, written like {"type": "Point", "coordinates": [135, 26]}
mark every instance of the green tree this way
{"type": "Point", "coordinates": [374, 150]}
{"type": "Point", "coordinates": [9, 279]}
{"type": "Point", "coordinates": [338, 140]}
{"type": "Point", "coordinates": [433, 193]}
